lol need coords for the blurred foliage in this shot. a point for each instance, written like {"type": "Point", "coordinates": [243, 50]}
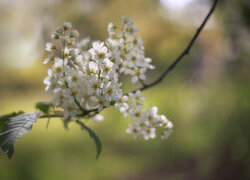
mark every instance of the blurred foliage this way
{"type": "Point", "coordinates": [206, 96]}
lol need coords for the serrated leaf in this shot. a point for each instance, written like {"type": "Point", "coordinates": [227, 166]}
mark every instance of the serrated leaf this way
{"type": "Point", "coordinates": [5, 117]}
{"type": "Point", "coordinates": [14, 128]}
{"type": "Point", "coordinates": [43, 107]}
{"type": "Point", "coordinates": [94, 137]}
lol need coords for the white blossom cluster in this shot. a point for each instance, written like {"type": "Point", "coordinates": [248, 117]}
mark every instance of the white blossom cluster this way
{"type": "Point", "coordinates": [144, 122]}
{"type": "Point", "coordinates": [85, 76]}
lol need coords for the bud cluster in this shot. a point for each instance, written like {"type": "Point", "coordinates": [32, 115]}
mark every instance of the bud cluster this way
{"type": "Point", "coordinates": [85, 76]}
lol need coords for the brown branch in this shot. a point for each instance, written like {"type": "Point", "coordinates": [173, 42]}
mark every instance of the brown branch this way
{"type": "Point", "coordinates": [185, 52]}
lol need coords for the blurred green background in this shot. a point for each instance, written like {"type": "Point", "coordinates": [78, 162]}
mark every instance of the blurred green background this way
{"type": "Point", "coordinates": [206, 96]}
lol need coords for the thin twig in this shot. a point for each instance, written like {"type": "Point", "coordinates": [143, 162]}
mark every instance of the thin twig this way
{"type": "Point", "coordinates": [185, 52]}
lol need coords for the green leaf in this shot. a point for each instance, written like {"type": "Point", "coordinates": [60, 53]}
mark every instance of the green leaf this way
{"type": "Point", "coordinates": [5, 117]}
{"type": "Point", "coordinates": [43, 107]}
{"type": "Point", "coordinates": [14, 128]}
{"type": "Point", "coordinates": [93, 136]}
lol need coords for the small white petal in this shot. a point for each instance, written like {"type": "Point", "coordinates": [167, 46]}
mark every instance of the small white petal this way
{"type": "Point", "coordinates": [98, 118]}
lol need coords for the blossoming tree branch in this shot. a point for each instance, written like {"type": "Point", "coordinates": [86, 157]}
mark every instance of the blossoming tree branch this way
{"type": "Point", "coordinates": [85, 78]}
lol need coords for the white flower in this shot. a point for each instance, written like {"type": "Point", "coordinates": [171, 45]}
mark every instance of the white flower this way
{"type": "Point", "coordinates": [75, 78]}
{"type": "Point", "coordinates": [106, 66]}
{"type": "Point", "coordinates": [166, 134]}
{"type": "Point", "coordinates": [111, 28]}
{"type": "Point", "coordinates": [80, 62]}
{"type": "Point", "coordinates": [116, 59]}
{"type": "Point", "coordinates": [115, 46]}
{"type": "Point", "coordinates": [99, 51]}
{"type": "Point", "coordinates": [138, 74]}
{"type": "Point", "coordinates": [125, 109]}
{"type": "Point", "coordinates": [131, 58]}
{"type": "Point", "coordinates": [98, 118]}
{"type": "Point", "coordinates": [71, 41]}
{"type": "Point", "coordinates": [121, 100]}
{"type": "Point", "coordinates": [48, 59]}
{"type": "Point", "coordinates": [69, 110]}
{"type": "Point", "coordinates": [152, 117]}
{"type": "Point", "coordinates": [94, 86]}
{"type": "Point", "coordinates": [74, 52]}
{"type": "Point", "coordinates": [59, 31]}
{"type": "Point", "coordinates": [126, 69]}
{"type": "Point", "coordinates": [65, 40]}
{"type": "Point", "coordinates": [136, 114]}
{"type": "Point", "coordinates": [51, 81]}
{"type": "Point", "coordinates": [136, 96]}
{"type": "Point", "coordinates": [66, 52]}
{"type": "Point", "coordinates": [165, 122]}
{"type": "Point", "coordinates": [83, 44]}
{"type": "Point", "coordinates": [110, 89]}
{"type": "Point", "coordinates": [149, 133]}
{"type": "Point", "coordinates": [102, 102]}
{"type": "Point", "coordinates": [134, 129]}
{"type": "Point", "coordinates": [67, 25]}
{"type": "Point", "coordinates": [58, 66]}
{"type": "Point", "coordinates": [55, 36]}
{"type": "Point", "coordinates": [130, 29]}
{"type": "Point", "coordinates": [92, 67]}
{"type": "Point", "coordinates": [138, 43]}
{"type": "Point", "coordinates": [170, 125]}
{"type": "Point", "coordinates": [145, 63]}
{"type": "Point", "coordinates": [126, 20]}
{"type": "Point", "coordinates": [50, 46]}
{"type": "Point", "coordinates": [74, 33]}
